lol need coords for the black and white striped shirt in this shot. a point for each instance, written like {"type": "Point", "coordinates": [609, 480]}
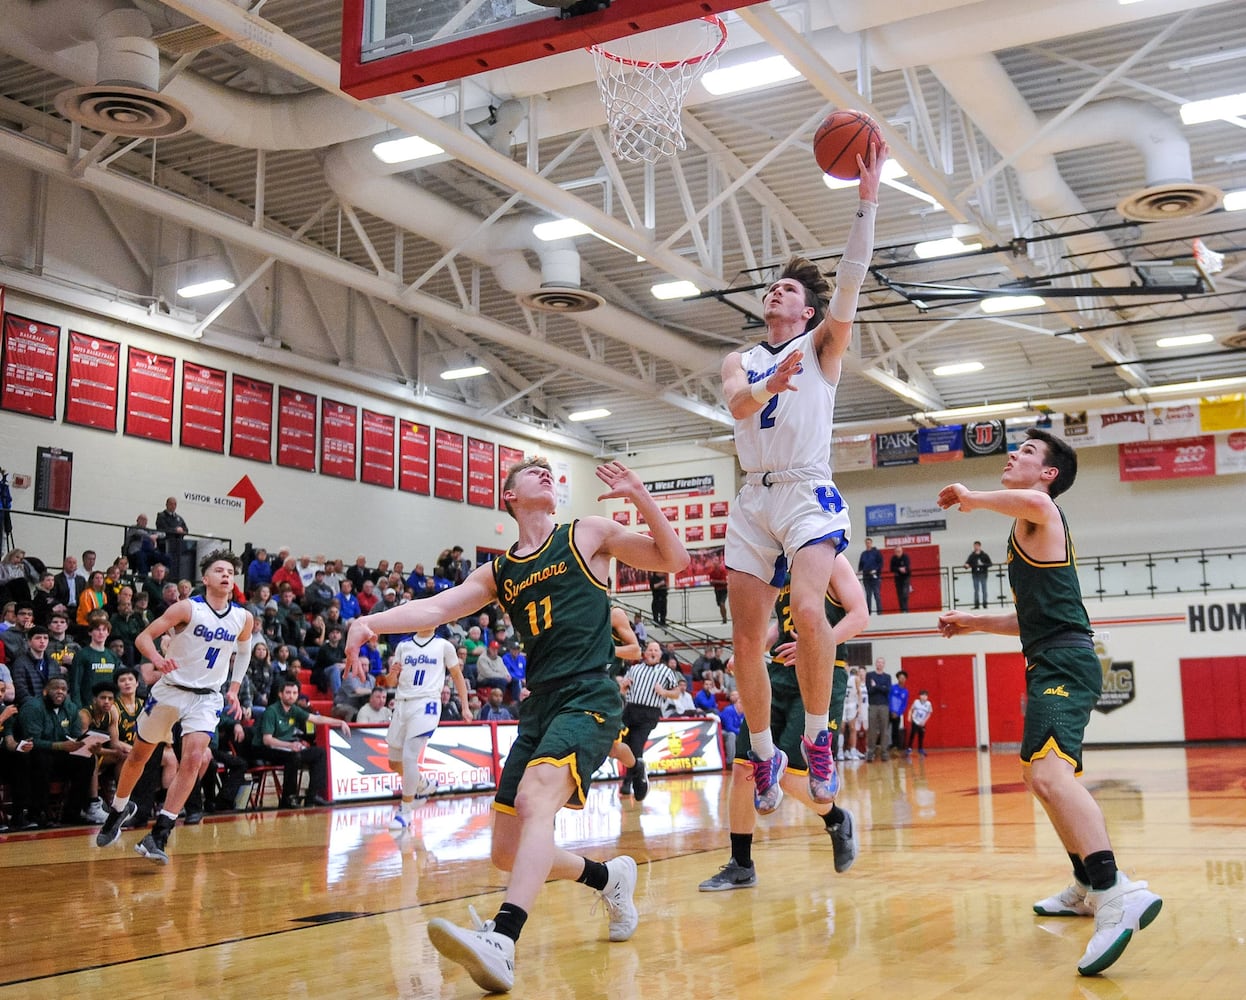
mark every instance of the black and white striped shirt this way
{"type": "Point", "coordinates": [645, 679]}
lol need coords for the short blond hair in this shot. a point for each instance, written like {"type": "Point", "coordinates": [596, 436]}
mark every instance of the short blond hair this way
{"type": "Point", "coordinates": [513, 473]}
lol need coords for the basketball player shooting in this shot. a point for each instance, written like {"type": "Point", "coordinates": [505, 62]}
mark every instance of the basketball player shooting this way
{"type": "Point", "coordinates": [788, 514]}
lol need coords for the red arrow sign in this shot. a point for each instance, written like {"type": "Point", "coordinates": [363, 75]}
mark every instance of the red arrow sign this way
{"type": "Point", "coordinates": [245, 491]}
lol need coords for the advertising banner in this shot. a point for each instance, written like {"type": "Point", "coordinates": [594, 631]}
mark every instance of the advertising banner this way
{"type": "Point", "coordinates": [1182, 458]}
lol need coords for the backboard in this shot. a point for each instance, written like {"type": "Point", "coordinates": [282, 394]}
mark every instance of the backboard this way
{"type": "Point", "coordinates": [392, 46]}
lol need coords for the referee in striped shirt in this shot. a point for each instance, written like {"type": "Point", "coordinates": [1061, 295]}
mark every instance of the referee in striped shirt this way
{"type": "Point", "coordinates": [650, 684]}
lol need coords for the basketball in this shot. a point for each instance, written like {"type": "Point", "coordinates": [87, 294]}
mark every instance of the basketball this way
{"type": "Point", "coordinates": [840, 138]}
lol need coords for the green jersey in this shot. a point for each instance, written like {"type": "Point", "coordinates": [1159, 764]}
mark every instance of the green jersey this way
{"type": "Point", "coordinates": [560, 610]}
{"type": "Point", "coordinates": [281, 723]}
{"type": "Point", "coordinates": [1048, 595]}
{"type": "Point", "coordinates": [783, 613]}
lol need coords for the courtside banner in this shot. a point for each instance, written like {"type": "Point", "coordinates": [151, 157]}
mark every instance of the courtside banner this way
{"type": "Point", "coordinates": [296, 429]}
{"type": "Point", "coordinates": [31, 359]}
{"type": "Point", "coordinates": [93, 374]}
{"type": "Point", "coordinates": [149, 396]}
{"type": "Point", "coordinates": [203, 408]}
{"type": "Point", "coordinates": [414, 448]}
{"type": "Point", "coordinates": [680, 745]}
{"type": "Point", "coordinates": [378, 449]}
{"type": "Point", "coordinates": [507, 459]}
{"type": "Point", "coordinates": [448, 478]}
{"type": "Point", "coordinates": [251, 427]}
{"type": "Point", "coordinates": [338, 437]}
{"type": "Point", "coordinates": [481, 482]}
{"type": "Point", "coordinates": [459, 758]}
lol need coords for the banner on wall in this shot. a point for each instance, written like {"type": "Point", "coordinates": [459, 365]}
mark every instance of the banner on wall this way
{"type": "Point", "coordinates": [985, 437]}
{"type": "Point", "coordinates": [688, 485]}
{"type": "Point", "coordinates": [149, 395]}
{"type": "Point", "coordinates": [853, 453]}
{"type": "Point", "coordinates": [481, 477]}
{"type": "Point", "coordinates": [693, 511]}
{"type": "Point", "coordinates": [203, 407]}
{"type": "Point", "coordinates": [448, 460]}
{"type": "Point", "coordinates": [251, 425]}
{"type": "Point", "coordinates": [718, 531]}
{"type": "Point", "coordinates": [507, 458]}
{"type": "Point", "coordinates": [338, 436]}
{"type": "Point", "coordinates": [296, 429]}
{"type": "Point", "coordinates": [31, 359]}
{"type": "Point", "coordinates": [694, 533]}
{"type": "Point", "coordinates": [895, 448]}
{"type": "Point", "coordinates": [1181, 458]}
{"type": "Point", "coordinates": [93, 375]}
{"type": "Point", "coordinates": [562, 481]}
{"type": "Point", "coordinates": [940, 444]}
{"type": "Point", "coordinates": [910, 517]}
{"type": "Point", "coordinates": [697, 572]}
{"type": "Point", "coordinates": [1179, 420]}
{"type": "Point", "coordinates": [54, 480]}
{"type": "Point", "coordinates": [1231, 453]}
{"type": "Point", "coordinates": [414, 449]}
{"type": "Point", "coordinates": [629, 579]}
{"type": "Point", "coordinates": [1225, 413]}
{"type": "Point", "coordinates": [378, 449]}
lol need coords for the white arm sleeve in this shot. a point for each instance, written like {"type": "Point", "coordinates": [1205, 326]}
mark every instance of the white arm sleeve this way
{"type": "Point", "coordinates": [242, 660]}
{"type": "Point", "coordinates": [854, 264]}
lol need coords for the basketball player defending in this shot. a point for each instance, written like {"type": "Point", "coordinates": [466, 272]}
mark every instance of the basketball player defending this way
{"type": "Point", "coordinates": [423, 662]}
{"type": "Point", "coordinates": [552, 585]}
{"type": "Point", "coordinates": [788, 513]}
{"type": "Point", "coordinates": [846, 611]}
{"type": "Point", "coordinates": [209, 633]}
{"type": "Point", "coordinates": [1063, 682]}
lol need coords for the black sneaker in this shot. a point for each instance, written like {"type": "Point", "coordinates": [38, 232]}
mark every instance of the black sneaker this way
{"type": "Point", "coordinates": [844, 842]}
{"type": "Point", "coordinates": [626, 787]}
{"type": "Point", "coordinates": [111, 829]}
{"type": "Point", "coordinates": [640, 781]}
{"type": "Point", "coordinates": [730, 876]}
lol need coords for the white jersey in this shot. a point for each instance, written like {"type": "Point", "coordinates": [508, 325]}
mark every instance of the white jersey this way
{"type": "Point", "coordinates": [793, 429]}
{"type": "Point", "coordinates": [205, 646]}
{"type": "Point", "coordinates": [921, 711]}
{"type": "Point", "coordinates": [424, 663]}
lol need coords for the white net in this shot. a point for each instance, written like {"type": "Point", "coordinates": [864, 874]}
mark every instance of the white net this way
{"type": "Point", "coordinates": [644, 80]}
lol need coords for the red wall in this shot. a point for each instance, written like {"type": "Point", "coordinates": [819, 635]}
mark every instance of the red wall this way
{"type": "Point", "coordinates": [1005, 696]}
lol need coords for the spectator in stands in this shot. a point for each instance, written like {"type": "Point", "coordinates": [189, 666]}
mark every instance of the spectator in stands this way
{"type": "Point", "coordinates": [659, 584]}
{"type": "Point", "coordinates": [516, 661]}
{"type": "Point", "coordinates": [14, 637]}
{"type": "Point", "coordinates": [376, 712]}
{"type": "Point", "coordinates": [44, 598]}
{"type": "Point", "coordinates": [706, 699]}
{"type": "Point", "coordinates": [673, 664]}
{"type": "Point", "coordinates": [69, 584]}
{"type": "Point", "coordinates": [94, 662]}
{"type": "Point", "coordinates": [93, 598]}
{"type": "Point", "coordinates": [184, 589]}
{"type": "Point", "coordinates": [61, 646]}
{"type": "Point", "coordinates": [730, 720]}
{"type": "Point", "coordinates": [288, 576]}
{"type": "Point", "coordinates": [417, 582]}
{"type": "Point", "coordinates": [682, 703]}
{"type": "Point", "coordinates": [17, 577]}
{"type": "Point", "coordinates": [376, 659]}
{"type": "Point", "coordinates": [165, 600]}
{"type": "Point", "coordinates": [334, 576]}
{"type": "Point", "coordinates": [474, 646]}
{"type": "Point", "coordinates": [368, 597]}
{"type": "Point", "coordinates": [154, 584]}
{"type": "Point", "coordinates": [8, 616]}
{"type": "Point", "coordinates": [49, 728]}
{"type": "Point", "coordinates": [348, 602]}
{"type": "Point", "coordinates": [259, 571]}
{"type": "Point", "coordinates": [290, 615]}
{"type": "Point", "coordinates": [307, 572]}
{"type": "Point", "coordinates": [491, 672]}
{"type": "Point", "coordinates": [451, 710]}
{"type": "Point", "coordinates": [330, 660]}
{"type": "Point", "coordinates": [638, 627]}
{"type": "Point", "coordinates": [11, 764]}
{"type": "Point", "coordinates": [258, 598]}
{"type": "Point", "coordinates": [140, 546]}
{"type": "Point", "coordinates": [127, 623]}
{"type": "Point", "coordinates": [493, 710]}
{"type": "Point", "coordinates": [358, 573]}
{"type": "Point", "coordinates": [389, 599]}
{"type": "Point", "coordinates": [281, 737]}
{"type": "Point", "coordinates": [260, 677]}
{"type": "Point", "coordinates": [101, 716]}
{"type": "Point", "coordinates": [173, 525]}
{"type": "Point", "coordinates": [33, 667]}
{"type": "Point", "coordinates": [352, 694]}
{"type": "Point", "coordinates": [270, 626]}
{"type": "Point", "coordinates": [473, 704]}
{"type": "Point", "coordinates": [708, 664]}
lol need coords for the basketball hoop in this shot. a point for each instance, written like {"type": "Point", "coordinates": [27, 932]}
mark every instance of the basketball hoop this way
{"type": "Point", "coordinates": [643, 92]}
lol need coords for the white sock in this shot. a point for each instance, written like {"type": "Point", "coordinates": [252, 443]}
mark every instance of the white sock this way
{"type": "Point", "coordinates": [120, 803]}
{"type": "Point", "coordinates": [814, 725]}
{"type": "Point", "coordinates": [762, 744]}
{"type": "Point", "coordinates": [171, 816]}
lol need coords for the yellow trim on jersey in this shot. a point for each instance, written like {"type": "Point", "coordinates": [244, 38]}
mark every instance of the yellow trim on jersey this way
{"type": "Point", "coordinates": [575, 551]}
{"type": "Point", "coordinates": [1052, 747]}
{"type": "Point", "coordinates": [508, 810]}
{"type": "Point", "coordinates": [1070, 557]}
{"type": "Point", "coordinates": [510, 553]}
{"type": "Point", "coordinates": [577, 796]}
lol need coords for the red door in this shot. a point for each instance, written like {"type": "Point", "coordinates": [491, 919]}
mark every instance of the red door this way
{"type": "Point", "coordinates": [949, 679]}
{"type": "Point", "coordinates": [926, 593]}
{"type": "Point", "coordinates": [1005, 696]}
{"type": "Point", "coordinates": [1212, 688]}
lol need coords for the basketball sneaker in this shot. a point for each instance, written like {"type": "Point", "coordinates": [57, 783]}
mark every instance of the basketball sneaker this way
{"type": "Point", "coordinates": [730, 876]}
{"type": "Point", "coordinates": [844, 842]}
{"type": "Point", "coordinates": [488, 957]}
{"type": "Point", "coordinates": [767, 793]}
{"type": "Point", "coordinates": [617, 895]}
{"type": "Point", "coordinates": [1119, 912]}
{"type": "Point", "coordinates": [401, 821]}
{"type": "Point", "coordinates": [113, 822]}
{"type": "Point", "coordinates": [1069, 902]}
{"type": "Point", "coordinates": [823, 775]}
{"type": "Point", "coordinates": [153, 845]}
{"type": "Point", "coordinates": [424, 787]}
{"type": "Point", "coordinates": [640, 781]}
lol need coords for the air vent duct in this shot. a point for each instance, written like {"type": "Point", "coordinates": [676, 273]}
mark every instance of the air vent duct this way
{"type": "Point", "coordinates": [126, 111]}
{"type": "Point", "coordinates": [560, 299]}
{"type": "Point", "coordinates": [1170, 201]}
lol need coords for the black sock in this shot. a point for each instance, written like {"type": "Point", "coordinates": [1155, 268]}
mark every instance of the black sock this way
{"type": "Point", "coordinates": [595, 875]}
{"type": "Point", "coordinates": [834, 817]}
{"type": "Point", "coordinates": [510, 920]}
{"type": "Point", "coordinates": [1101, 867]}
{"type": "Point", "coordinates": [742, 849]}
{"type": "Point", "coordinates": [1079, 869]}
{"type": "Point", "coordinates": [163, 822]}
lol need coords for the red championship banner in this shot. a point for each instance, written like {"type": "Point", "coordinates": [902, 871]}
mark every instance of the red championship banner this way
{"type": "Point", "coordinates": [296, 429]}
{"type": "Point", "coordinates": [203, 407]}
{"type": "Point", "coordinates": [31, 359]}
{"type": "Point", "coordinates": [718, 531]}
{"type": "Point", "coordinates": [378, 449]}
{"type": "Point", "coordinates": [338, 437]}
{"type": "Point", "coordinates": [719, 508]}
{"type": "Point", "coordinates": [481, 484]}
{"type": "Point", "coordinates": [149, 395]}
{"type": "Point", "coordinates": [251, 432]}
{"type": "Point", "coordinates": [414, 451]}
{"type": "Point", "coordinates": [448, 478]}
{"type": "Point", "coordinates": [507, 459]}
{"type": "Point", "coordinates": [1179, 458]}
{"type": "Point", "coordinates": [93, 374]}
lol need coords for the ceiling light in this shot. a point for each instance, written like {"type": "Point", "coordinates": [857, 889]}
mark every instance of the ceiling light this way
{"type": "Point", "coordinates": [581, 415]}
{"type": "Point", "coordinates": [1011, 303]}
{"type": "Point", "coordinates": [674, 290]}
{"type": "Point", "coordinates": [471, 371]}
{"type": "Point", "coordinates": [559, 229]}
{"type": "Point", "coordinates": [986, 409]}
{"type": "Point", "coordinates": [748, 76]}
{"type": "Point", "coordinates": [960, 368]}
{"type": "Point", "coordinates": [209, 287]}
{"type": "Point", "coordinates": [891, 171]}
{"type": "Point", "coordinates": [944, 247]}
{"type": "Point", "coordinates": [1186, 341]}
{"type": "Point", "coordinates": [1235, 201]}
{"type": "Point", "coordinates": [411, 147]}
{"type": "Point", "coordinates": [1214, 109]}
{"type": "Point", "coordinates": [1190, 388]}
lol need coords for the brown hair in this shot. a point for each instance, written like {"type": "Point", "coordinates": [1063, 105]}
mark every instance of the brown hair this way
{"type": "Point", "coordinates": [513, 473]}
{"type": "Point", "coordinates": [817, 288]}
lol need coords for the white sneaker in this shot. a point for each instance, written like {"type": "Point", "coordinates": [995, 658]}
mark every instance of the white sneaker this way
{"type": "Point", "coordinates": [402, 820]}
{"type": "Point", "coordinates": [617, 895]}
{"type": "Point", "coordinates": [424, 787]}
{"type": "Point", "coordinates": [488, 957]}
{"type": "Point", "coordinates": [1119, 912]}
{"type": "Point", "coordinates": [1069, 902]}
{"type": "Point", "coordinates": [95, 813]}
